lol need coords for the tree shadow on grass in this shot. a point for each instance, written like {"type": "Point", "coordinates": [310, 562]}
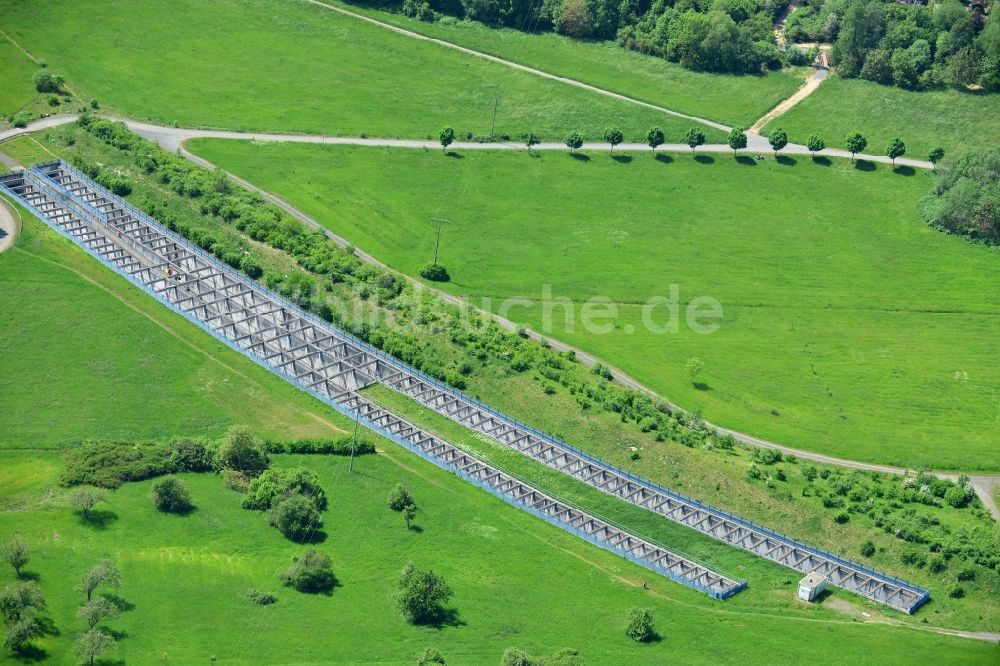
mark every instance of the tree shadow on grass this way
{"type": "Point", "coordinates": [454, 155]}
{"type": "Point", "coordinates": [622, 159]}
{"type": "Point", "coordinates": [746, 160]}
{"type": "Point", "coordinates": [666, 159]}
{"type": "Point", "coordinates": [580, 156]}
{"type": "Point", "coordinates": [117, 634]}
{"type": "Point", "coordinates": [704, 159]}
{"type": "Point", "coordinates": [30, 654]}
{"type": "Point", "coordinates": [416, 528]}
{"type": "Point", "coordinates": [702, 386]}
{"type": "Point", "coordinates": [186, 511]}
{"type": "Point", "coordinates": [822, 160]}
{"type": "Point", "coordinates": [123, 605]}
{"type": "Point", "coordinates": [29, 575]}
{"type": "Point", "coordinates": [314, 537]}
{"type": "Point", "coordinates": [864, 165]}
{"type": "Point", "coordinates": [98, 519]}
{"type": "Point", "coordinates": [785, 160]}
{"type": "Point", "coordinates": [448, 617]}
{"type": "Point", "coordinates": [904, 170]}
{"type": "Point", "coordinates": [324, 591]}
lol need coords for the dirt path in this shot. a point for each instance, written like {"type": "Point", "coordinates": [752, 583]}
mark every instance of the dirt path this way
{"type": "Point", "coordinates": [807, 89]}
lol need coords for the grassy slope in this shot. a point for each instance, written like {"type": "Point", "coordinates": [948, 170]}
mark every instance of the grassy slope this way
{"type": "Point", "coordinates": [951, 119]}
{"type": "Point", "coordinates": [319, 72]}
{"type": "Point", "coordinates": [16, 90]}
{"type": "Point", "coordinates": [78, 341]}
{"type": "Point", "coordinates": [185, 576]}
{"type": "Point", "coordinates": [792, 506]}
{"type": "Point", "coordinates": [490, 553]}
{"type": "Point", "coordinates": [857, 361]}
{"type": "Point", "coordinates": [732, 100]}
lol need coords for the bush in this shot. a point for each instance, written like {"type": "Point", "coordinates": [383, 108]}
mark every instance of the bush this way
{"type": "Point", "coordinates": [109, 465]}
{"type": "Point", "coordinates": [187, 455]}
{"type": "Point", "coordinates": [337, 446]}
{"type": "Point", "coordinates": [234, 480]}
{"type": "Point", "coordinates": [242, 451]}
{"type": "Point", "coordinates": [841, 518]}
{"type": "Point", "coordinates": [399, 498]}
{"type": "Point", "coordinates": [431, 656]}
{"type": "Point", "coordinates": [422, 595]}
{"type": "Point", "coordinates": [956, 592]}
{"type": "Point", "coordinates": [296, 517]}
{"type": "Point", "coordinates": [261, 598]}
{"type": "Point", "coordinates": [171, 495]}
{"type": "Point", "coordinates": [266, 489]}
{"type": "Point", "coordinates": [21, 119]}
{"type": "Point", "coordinates": [47, 82]}
{"type": "Point", "coordinates": [640, 625]}
{"type": "Point", "coordinates": [868, 549]}
{"type": "Point", "coordinates": [313, 572]}
{"type": "Point", "coordinates": [936, 565]}
{"type": "Point", "coordinates": [435, 273]}
{"type": "Point", "coordinates": [968, 573]}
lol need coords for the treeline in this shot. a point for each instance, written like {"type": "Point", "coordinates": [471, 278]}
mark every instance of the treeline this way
{"type": "Point", "coordinates": [914, 46]}
{"type": "Point", "coordinates": [966, 197]}
{"type": "Point", "coordinates": [707, 35]}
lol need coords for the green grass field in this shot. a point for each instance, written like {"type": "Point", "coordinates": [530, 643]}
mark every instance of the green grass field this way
{"type": "Point", "coordinates": [820, 346]}
{"type": "Point", "coordinates": [953, 120]}
{"type": "Point", "coordinates": [288, 66]}
{"type": "Point", "coordinates": [185, 578]}
{"type": "Point", "coordinates": [88, 356]}
{"type": "Point", "coordinates": [16, 90]}
{"type": "Point", "coordinates": [728, 99]}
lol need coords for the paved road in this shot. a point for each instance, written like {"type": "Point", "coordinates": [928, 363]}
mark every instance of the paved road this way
{"type": "Point", "coordinates": [172, 139]}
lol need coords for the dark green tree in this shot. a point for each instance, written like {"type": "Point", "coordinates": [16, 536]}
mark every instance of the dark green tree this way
{"type": "Point", "coordinates": [896, 148]}
{"type": "Point", "coordinates": [446, 137]}
{"type": "Point", "coordinates": [312, 572]}
{"type": "Point", "coordinates": [815, 143]}
{"type": "Point", "coordinates": [296, 517]}
{"type": "Point", "coordinates": [574, 141]}
{"type": "Point", "coordinates": [694, 138]}
{"type": "Point", "coordinates": [655, 138]}
{"type": "Point", "coordinates": [399, 497]}
{"type": "Point", "coordinates": [614, 136]}
{"type": "Point", "coordinates": [856, 142]}
{"type": "Point", "coordinates": [936, 155]}
{"type": "Point", "coordinates": [243, 451]}
{"type": "Point", "coordinates": [422, 595]}
{"type": "Point", "coordinates": [737, 139]}
{"type": "Point", "coordinates": [640, 625]}
{"type": "Point", "coordinates": [171, 495]}
{"type": "Point", "coordinates": [778, 140]}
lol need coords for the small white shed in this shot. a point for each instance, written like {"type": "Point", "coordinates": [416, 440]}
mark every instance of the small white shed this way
{"type": "Point", "coordinates": [812, 586]}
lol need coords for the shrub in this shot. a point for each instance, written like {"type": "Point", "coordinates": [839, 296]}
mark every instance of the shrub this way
{"type": "Point", "coordinates": [841, 518]}
{"type": "Point", "coordinates": [171, 495]}
{"type": "Point", "coordinates": [109, 465]}
{"type": "Point", "coordinates": [187, 455]}
{"type": "Point", "coordinates": [435, 273]}
{"type": "Point", "coordinates": [261, 598]}
{"type": "Point", "coordinates": [422, 595]}
{"type": "Point", "coordinates": [337, 446]}
{"type": "Point", "coordinates": [399, 498]}
{"type": "Point", "coordinates": [21, 119]}
{"type": "Point", "coordinates": [266, 489]}
{"type": "Point", "coordinates": [234, 480]}
{"type": "Point", "coordinates": [516, 657]}
{"type": "Point", "coordinates": [296, 517]}
{"type": "Point", "coordinates": [430, 657]}
{"type": "Point", "coordinates": [868, 548]}
{"type": "Point", "coordinates": [640, 625]}
{"type": "Point", "coordinates": [968, 573]}
{"type": "Point", "coordinates": [956, 592]}
{"type": "Point", "coordinates": [242, 451]}
{"type": "Point", "coordinates": [47, 82]}
{"type": "Point", "coordinates": [313, 572]}
{"type": "Point", "coordinates": [810, 473]}
{"type": "Point", "coordinates": [936, 565]}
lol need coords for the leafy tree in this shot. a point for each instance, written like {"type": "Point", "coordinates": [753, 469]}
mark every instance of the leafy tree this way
{"type": "Point", "coordinates": [435, 273]}
{"type": "Point", "coordinates": [296, 517]}
{"type": "Point", "coordinates": [694, 366]}
{"type": "Point", "coordinates": [17, 554]}
{"type": "Point", "coordinates": [268, 488]}
{"type": "Point", "coordinates": [19, 607]}
{"type": "Point", "coordinates": [815, 143]}
{"type": "Point", "coordinates": [422, 595]}
{"type": "Point", "coordinates": [399, 497]}
{"type": "Point", "coordinates": [862, 28]}
{"type": "Point", "coordinates": [86, 499]}
{"type": "Point", "coordinates": [102, 573]}
{"type": "Point", "coordinates": [313, 572]}
{"type": "Point", "coordinates": [531, 140]}
{"type": "Point", "coordinates": [92, 644]}
{"type": "Point", "coordinates": [409, 513]}
{"type": "Point", "coordinates": [243, 451]}
{"type": "Point", "coordinates": [430, 657]}
{"type": "Point", "coordinates": [778, 140]}
{"type": "Point", "coordinates": [856, 142]}
{"type": "Point", "coordinates": [655, 138]}
{"type": "Point", "coordinates": [965, 199]}
{"type": "Point", "coordinates": [737, 139]}
{"type": "Point", "coordinates": [47, 82]}
{"type": "Point", "coordinates": [96, 610]}
{"type": "Point", "coordinates": [896, 148]}
{"type": "Point", "coordinates": [171, 495]}
{"type": "Point", "coordinates": [446, 137]}
{"type": "Point", "coordinates": [574, 141]}
{"type": "Point", "coordinates": [614, 136]}
{"type": "Point", "coordinates": [640, 625]}
{"type": "Point", "coordinates": [936, 155]}
{"type": "Point", "coordinates": [694, 138]}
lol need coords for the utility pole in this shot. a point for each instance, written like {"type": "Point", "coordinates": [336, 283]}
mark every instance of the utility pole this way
{"type": "Point", "coordinates": [354, 439]}
{"type": "Point", "coordinates": [440, 221]}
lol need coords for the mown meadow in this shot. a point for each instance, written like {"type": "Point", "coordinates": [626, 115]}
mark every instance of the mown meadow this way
{"type": "Point", "coordinates": [294, 67]}
{"type": "Point", "coordinates": [185, 578]}
{"type": "Point", "coordinates": [849, 326]}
